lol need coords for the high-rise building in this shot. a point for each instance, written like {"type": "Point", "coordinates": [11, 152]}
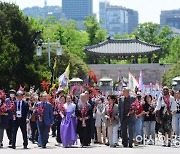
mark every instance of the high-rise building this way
{"type": "Point", "coordinates": [133, 20]}
{"type": "Point", "coordinates": [117, 19]}
{"type": "Point", "coordinates": [102, 13]}
{"type": "Point", "coordinates": [45, 3]}
{"type": "Point", "coordinates": [170, 18]}
{"type": "Point", "coordinates": [77, 9]}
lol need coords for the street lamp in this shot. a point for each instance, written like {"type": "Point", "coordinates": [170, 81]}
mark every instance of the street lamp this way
{"type": "Point", "coordinates": [48, 45]}
{"type": "Point", "coordinates": [59, 51]}
{"type": "Point", "coordinates": [39, 51]}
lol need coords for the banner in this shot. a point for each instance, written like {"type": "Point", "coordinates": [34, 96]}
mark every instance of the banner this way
{"type": "Point", "coordinates": [64, 78]}
{"type": "Point", "coordinates": [133, 83]}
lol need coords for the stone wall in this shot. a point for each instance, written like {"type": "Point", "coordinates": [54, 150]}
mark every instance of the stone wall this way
{"type": "Point", "coordinates": [151, 72]}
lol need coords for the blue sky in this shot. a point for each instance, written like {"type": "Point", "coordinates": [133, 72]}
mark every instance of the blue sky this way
{"type": "Point", "coordinates": [149, 10]}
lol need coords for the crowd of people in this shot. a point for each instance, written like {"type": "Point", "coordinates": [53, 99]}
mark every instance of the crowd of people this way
{"type": "Point", "coordinates": [93, 119]}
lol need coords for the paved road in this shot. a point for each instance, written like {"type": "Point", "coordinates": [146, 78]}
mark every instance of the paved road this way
{"type": "Point", "coordinates": [94, 149]}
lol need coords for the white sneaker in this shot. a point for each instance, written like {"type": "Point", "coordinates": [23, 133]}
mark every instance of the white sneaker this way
{"type": "Point", "coordinates": [92, 141]}
{"type": "Point", "coordinates": [58, 144]}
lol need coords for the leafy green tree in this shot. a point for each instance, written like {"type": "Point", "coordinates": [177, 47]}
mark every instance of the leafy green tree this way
{"type": "Point", "coordinates": [72, 38]}
{"type": "Point", "coordinates": [154, 34]}
{"type": "Point", "coordinates": [174, 54]}
{"type": "Point", "coordinates": [173, 72]}
{"type": "Point", "coordinates": [16, 47]}
{"type": "Point", "coordinates": [72, 41]}
{"type": "Point", "coordinates": [96, 35]}
{"type": "Point", "coordinates": [77, 66]}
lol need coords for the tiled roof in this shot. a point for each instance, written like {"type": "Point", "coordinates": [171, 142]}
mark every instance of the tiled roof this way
{"type": "Point", "coordinates": [123, 48]}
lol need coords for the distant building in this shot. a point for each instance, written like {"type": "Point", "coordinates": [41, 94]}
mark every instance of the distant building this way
{"type": "Point", "coordinates": [77, 9]}
{"type": "Point", "coordinates": [133, 20]}
{"type": "Point", "coordinates": [45, 3]}
{"type": "Point", "coordinates": [117, 19]}
{"type": "Point", "coordinates": [170, 18]}
{"type": "Point", "coordinates": [102, 13]}
{"type": "Point", "coordinates": [39, 12]}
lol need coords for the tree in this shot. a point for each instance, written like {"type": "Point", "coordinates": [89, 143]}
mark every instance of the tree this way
{"type": "Point", "coordinates": [96, 35]}
{"type": "Point", "coordinates": [174, 54]}
{"type": "Point", "coordinates": [154, 34]}
{"type": "Point", "coordinates": [16, 47]}
{"type": "Point", "coordinates": [174, 57]}
{"type": "Point", "coordinates": [72, 42]}
{"type": "Point", "coordinates": [173, 72]}
{"type": "Point", "coordinates": [18, 62]}
{"type": "Point", "coordinates": [77, 66]}
{"type": "Point", "coordinates": [72, 38]}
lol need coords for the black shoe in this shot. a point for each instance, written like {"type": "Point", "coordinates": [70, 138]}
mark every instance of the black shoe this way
{"type": "Point", "coordinates": [130, 146]}
{"type": "Point", "coordinates": [25, 147]}
{"type": "Point", "coordinates": [44, 146]}
{"type": "Point", "coordinates": [164, 145]}
{"type": "Point", "coordinates": [1, 144]}
{"type": "Point", "coordinates": [107, 144]}
{"type": "Point", "coordinates": [125, 145]}
{"type": "Point", "coordinates": [169, 144]}
{"type": "Point", "coordinates": [12, 146]}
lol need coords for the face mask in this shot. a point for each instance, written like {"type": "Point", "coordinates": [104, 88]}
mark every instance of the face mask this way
{"type": "Point", "coordinates": [12, 95]}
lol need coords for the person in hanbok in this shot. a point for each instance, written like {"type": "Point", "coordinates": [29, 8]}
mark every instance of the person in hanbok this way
{"type": "Point", "coordinates": [69, 123]}
{"type": "Point", "coordinates": [83, 113]}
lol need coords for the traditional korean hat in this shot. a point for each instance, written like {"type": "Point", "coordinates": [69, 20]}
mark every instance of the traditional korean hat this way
{"type": "Point", "coordinates": [12, 91]}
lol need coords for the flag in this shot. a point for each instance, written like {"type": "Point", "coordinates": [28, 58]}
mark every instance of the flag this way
{"type": "Point", "coordinates": [92, 75]}
{"type": "Point", "coordinates": [133, 83]}
{"type": "Point", "coordinates": [68, 70]}
{"type": "Point", "coordinates": [64, 78]}
{"type": "Point", "coordinates": [55, 64]}
{"type": "Point", "coordinates": [141, 85]}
